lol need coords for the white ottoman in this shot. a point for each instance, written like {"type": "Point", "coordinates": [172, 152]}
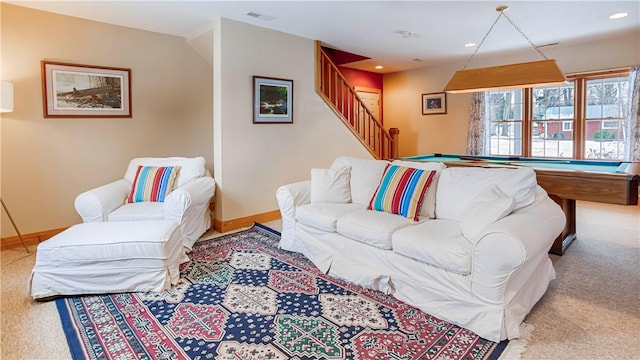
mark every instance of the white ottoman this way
{"type": "Point", "coordinates": [109, 257]}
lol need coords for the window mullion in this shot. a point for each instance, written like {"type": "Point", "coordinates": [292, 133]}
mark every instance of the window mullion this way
{"type": "Point", "coordinates": [579, 118]}
{"type": "Point", "coordinates": [527, 121]}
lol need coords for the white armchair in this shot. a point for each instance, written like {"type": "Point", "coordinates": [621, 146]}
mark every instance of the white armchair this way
{"type": "Point", "coordinates": [187, 204]}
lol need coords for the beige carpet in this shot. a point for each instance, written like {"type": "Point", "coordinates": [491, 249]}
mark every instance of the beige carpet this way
{"type": "Point", "coordinates": [591, 311]}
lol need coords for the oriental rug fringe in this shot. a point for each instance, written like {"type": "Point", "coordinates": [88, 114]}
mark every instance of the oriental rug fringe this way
{"type": "Point", "coordinates": [241, 297]}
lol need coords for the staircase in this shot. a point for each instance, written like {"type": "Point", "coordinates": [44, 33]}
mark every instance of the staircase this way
{"type": "Point", "coordinates": [334, 89]}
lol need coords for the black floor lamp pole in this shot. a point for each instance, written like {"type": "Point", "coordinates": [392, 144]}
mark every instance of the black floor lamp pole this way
{"type": "Point", "coordinates": [14, 224]}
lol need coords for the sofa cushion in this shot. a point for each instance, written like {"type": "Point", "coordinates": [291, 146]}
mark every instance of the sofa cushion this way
{"type": "Point", "coordinates": [190, 168]}
{"type": "Point", "coordinates": [435, 242]}
{"type": "Point", "coordinates": [428, 208]}
{"type": "Point", "coordinates": [371, 227]}
{"type": "Point", "coordinates": [365, 176]}
{"type": "Point", "coordinates": [331, 185]}
{"type": "Point", "coordinates": [401, 191]}
{"type": "Point", "coordinates": [458, 185]}
{"type": "Point", "coordinates": [153, 183]}
{"type": "Point", "coordinates": [323, 216]}
{"type": "Point", "coordinates": [489, 206]}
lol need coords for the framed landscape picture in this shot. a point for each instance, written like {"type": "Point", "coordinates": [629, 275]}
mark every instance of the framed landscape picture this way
{"type": "Point", "coordinates": [74, 90]}
{"type": "Point", "coordinates": [272, 100]}
{"type": "Point", "coordinates": [434, 103]}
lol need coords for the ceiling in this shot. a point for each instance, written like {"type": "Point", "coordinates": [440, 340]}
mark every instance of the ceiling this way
{"type": "Point", "coordinates": [398, 35]}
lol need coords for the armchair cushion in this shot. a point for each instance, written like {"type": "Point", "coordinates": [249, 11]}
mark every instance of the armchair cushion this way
{"type": "Point", "coordinates": [141, 211]}
{"type": "Point", "coordinates": [153, 183]}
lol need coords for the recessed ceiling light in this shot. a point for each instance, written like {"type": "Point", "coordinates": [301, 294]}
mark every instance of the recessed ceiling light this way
{"type": "Point", "coordinates": [469, 44]}
{"type": "Point", "coordinates": [378, 67]}
{"type": "Point", "coordinates": [619, 15]}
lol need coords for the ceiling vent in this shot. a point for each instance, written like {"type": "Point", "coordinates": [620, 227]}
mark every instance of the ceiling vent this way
{"type": "Point", "coordinates": [260, 16]}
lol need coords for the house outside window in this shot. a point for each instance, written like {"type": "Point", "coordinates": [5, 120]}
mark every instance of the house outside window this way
{"type": "Point", "coordinates": [584, 119]}
{"type": "Point", "coordinates": [607, 109]}
{"type": "Point", "coordinates": [553, 115]}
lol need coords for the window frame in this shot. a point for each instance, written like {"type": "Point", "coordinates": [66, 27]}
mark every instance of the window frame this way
{"type": "Point", "coordinates": [580, 102]}
{"type": "Point", "coordinates": [613, 127]}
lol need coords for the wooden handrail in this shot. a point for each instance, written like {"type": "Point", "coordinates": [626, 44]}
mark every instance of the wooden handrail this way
{"type": "Point", "coordinates": [336, 91]}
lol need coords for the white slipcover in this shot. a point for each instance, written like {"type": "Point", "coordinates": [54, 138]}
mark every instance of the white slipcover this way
{"type": "Point", "coordinates": [187, 205]}
{"type": "Point", "coordinates": [97, 258]}
{"type": "Point", "coordinates": [488, 285]}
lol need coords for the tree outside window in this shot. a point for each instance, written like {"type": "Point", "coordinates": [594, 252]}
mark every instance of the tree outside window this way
{"type": "Point", "coordinates": [584, 119]}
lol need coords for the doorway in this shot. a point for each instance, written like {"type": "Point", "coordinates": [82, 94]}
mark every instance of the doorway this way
{"type": "Point", "coordinates": [371, 99]}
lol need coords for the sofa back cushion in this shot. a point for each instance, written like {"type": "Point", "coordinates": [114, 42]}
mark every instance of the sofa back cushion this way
{"type": "Point", "coordinates": [428, 208]}
{"type": "Point", "coordinates": [190, 168]}
{"type": "Point", "coordinates": [489, 206]}
{"type": "Point", "coordinates": [331, 185]}
{"type": "Point", "coordinates": [365, 176]}
{"type": "Point", "coordinates": [457, 186]}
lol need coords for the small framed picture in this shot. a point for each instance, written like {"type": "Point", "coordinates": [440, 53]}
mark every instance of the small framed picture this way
{"type": "Point", "coordinates": [74, 90]}
{"type": "Point", "coordinates": [434, 103]}
{"type": "Point", "coordinates": [272, 100]}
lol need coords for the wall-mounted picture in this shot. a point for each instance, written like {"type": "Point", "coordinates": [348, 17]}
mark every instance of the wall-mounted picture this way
{"type": "Point", "coordinates": [434, 103]}
{"type": "Point", "coordinates": [74, 90]}
{"type": "Point", "coordinates": [272, 100]}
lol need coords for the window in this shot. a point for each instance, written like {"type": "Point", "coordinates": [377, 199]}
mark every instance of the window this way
{"type": "Point", "coordinates": [553, 114]}
{"type": "Point", "coordinates": [504, 114]}
{"type": "Point", "coordinates": [584, 119]}
{"type": "Point", "coordinates": [607, 108]}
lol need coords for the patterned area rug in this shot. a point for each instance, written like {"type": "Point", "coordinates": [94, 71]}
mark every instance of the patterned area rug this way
{"type": "Point", "coordinates": [240, 297]}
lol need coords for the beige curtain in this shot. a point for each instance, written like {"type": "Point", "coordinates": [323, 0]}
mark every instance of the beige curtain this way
{"type": "Point", "coordinates": [632, 147]}
{"type": "Point", "coordinates": [477, 126]}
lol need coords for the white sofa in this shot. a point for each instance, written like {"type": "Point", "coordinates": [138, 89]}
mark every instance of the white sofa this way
{"type": "Point", "coordinates": [187, 204]}
{"type": "Point", "coordinates": [477, 256]}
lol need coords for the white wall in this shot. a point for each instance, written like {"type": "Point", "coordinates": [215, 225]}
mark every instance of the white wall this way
{"type": "Point", "coordinates": [422, 134]}
{"type": "Point", "coordinates": [47, 162]}
{"type": "Point", "coordinates": [253, 160]}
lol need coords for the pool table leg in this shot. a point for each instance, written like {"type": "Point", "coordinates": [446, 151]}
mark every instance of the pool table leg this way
{"type": "Point", "coordinates": [569, 232]}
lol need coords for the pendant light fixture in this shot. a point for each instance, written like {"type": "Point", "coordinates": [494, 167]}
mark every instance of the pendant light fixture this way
{"type": "Point", "coordinates": [529, 74]}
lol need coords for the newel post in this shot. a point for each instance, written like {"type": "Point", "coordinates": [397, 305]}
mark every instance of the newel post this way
{"type": "Point", "coordinates": [395, 133]}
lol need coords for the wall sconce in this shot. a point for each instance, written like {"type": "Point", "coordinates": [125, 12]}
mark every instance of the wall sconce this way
{"type": "Point", "coordinates": [528, 74]}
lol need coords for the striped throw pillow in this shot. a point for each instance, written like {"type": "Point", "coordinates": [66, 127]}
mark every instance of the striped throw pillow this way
{"type": "Point", "coordinates": [401, 191]}
{"type": "Point", "coordinates": [153, 183]}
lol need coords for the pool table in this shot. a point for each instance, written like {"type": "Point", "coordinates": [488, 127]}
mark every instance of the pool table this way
{"type": "Point", "coordinates": [611, 182]}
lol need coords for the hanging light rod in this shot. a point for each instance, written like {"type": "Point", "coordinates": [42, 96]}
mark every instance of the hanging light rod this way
{"type": "Point", "coordinates": [528, 74]}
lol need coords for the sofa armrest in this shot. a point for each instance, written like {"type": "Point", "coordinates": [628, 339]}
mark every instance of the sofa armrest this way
{"type": "Point", "coordinates": [96, 204]}
{"type": "Point", "coordinates": [289, 197]}
{"type": "Point", "coordinates": [511, 243]}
